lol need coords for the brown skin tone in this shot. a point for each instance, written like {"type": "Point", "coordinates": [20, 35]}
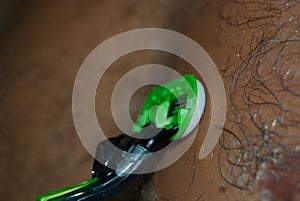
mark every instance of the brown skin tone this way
{"type": "Point", "coordinates": [45, 45]}
{"type": "Point", "coordinates": [258, 136]}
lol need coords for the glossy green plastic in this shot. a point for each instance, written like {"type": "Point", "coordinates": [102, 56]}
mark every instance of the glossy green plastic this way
{"type": "Point", "coordinates": [57, 195]}
{"type": "Point", "coordinates": [158, 107]}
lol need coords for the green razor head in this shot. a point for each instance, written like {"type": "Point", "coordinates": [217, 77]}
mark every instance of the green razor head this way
{"type": "Point", "coordinates": [179, 102]}
{"type": "Point", "coordinates": [175, 107]}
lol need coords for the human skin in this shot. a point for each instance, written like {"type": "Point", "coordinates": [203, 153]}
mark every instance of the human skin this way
{"type": "Point", "coordinates": [43, 50]}
{"type": "Point", "coordinates": [257, 51]}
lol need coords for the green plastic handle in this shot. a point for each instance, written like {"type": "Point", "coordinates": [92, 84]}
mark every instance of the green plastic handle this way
{"type": "Point", "coordinates": [57, 195]}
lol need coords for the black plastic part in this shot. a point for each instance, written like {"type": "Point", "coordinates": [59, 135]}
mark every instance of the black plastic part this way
{"type": "Point", "coordinates": [122, 142]}
{"type": "Point", "coordinates": [110, 183]}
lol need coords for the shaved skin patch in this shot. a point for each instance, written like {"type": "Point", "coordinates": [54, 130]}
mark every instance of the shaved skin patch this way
{"type": "Point", "coordinates": [217, 118]}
